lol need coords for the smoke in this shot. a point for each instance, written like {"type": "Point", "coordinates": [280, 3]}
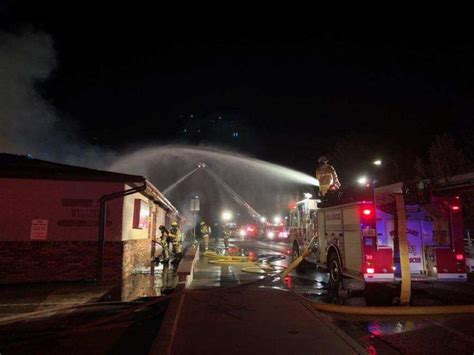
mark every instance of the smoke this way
{"type": "Point", "coordinates": [29, 124]}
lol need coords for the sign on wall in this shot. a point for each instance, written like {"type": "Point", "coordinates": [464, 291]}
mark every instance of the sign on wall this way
{"type": "Point", "coordinates": [39, 229]}
{"type": "Point", "coordinates": [80, 212]}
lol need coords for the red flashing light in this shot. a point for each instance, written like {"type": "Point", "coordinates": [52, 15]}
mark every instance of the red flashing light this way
{"type": "Point", "coordinates": [370, 270]}
{"type": "Point", "coordinates": [367, 212]}
{"type": "Point", "coordinates": [250, 229]}
{"type": "Point", "coordinates": [455, 208]}
{"type": "Point", "coordinates": [459, 257]}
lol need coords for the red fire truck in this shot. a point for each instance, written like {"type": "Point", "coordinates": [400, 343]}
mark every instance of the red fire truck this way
{"type": "Point", "coordinates": [356, 235]}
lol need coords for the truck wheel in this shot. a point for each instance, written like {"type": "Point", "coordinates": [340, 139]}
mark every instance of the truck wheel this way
{"type": "Point", "coordinates": [296, 255]}
{"type": "Point", "coordinates": [335, 270]}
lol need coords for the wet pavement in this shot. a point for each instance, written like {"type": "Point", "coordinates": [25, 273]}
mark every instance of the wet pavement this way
{"type": "Point", "coordinates": [85, 317]}
{"type": "Point", "coordinates": [312, 283]}
{"type": "Point", "coordinates": [21, 299]}
{"type": "Point", "coordinates": [108, 328]}
{"type": "Point", "coordinates": [118, 315]}
{"type": "Point", "coordinates": [420, 334]}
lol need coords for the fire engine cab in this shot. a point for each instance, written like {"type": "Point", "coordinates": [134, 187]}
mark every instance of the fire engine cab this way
{"type": "Point", "coordinates": [356, 235]}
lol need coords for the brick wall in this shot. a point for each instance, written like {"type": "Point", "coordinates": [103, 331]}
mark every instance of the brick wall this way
{"type": "Point", "coordinates": [37, 261]}
{"type": "Point", "coordinates": [136, 254]}
{"type": "Point", "coordinates": [139, 285]}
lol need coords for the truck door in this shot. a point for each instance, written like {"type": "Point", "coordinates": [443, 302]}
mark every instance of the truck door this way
{"type": "Point", "coordinates": [415, 247]}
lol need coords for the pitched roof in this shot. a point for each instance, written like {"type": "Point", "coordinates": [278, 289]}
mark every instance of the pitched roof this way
{"type": "Point", "coordinates": [25, 167]}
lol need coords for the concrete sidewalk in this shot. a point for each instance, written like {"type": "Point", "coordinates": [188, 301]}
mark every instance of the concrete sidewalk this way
{"type": "Point", "coordinates": [253, 319]}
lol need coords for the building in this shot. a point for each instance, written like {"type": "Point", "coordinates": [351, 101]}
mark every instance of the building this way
{"type": "Point", "coordinates": [62, 223]}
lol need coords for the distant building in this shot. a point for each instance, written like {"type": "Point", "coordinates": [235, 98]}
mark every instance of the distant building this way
{"type": "Point", "coordinates": [50, 218]}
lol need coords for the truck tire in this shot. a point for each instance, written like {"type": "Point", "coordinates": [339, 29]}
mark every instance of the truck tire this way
{"type": "Point", "coordinates": [296, 255]}
{"type": "Point", "coordinates": [335, 270]}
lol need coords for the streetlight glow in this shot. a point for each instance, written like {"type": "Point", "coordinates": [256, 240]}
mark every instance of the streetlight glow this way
{"type": "Point", "coordinates": [277, 219]}
{"type": "Point", "coordinates": [377, 162]}
{"type": "Point", "coordinates": [263, 219]}
{"type": "Point", "coordinates": [363, 180]}
{"type": "Point", "coordinates": [226, 216]}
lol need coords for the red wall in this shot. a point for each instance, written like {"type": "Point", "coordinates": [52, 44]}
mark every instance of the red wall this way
{"type": "Point", "coordinates": [71, 208]}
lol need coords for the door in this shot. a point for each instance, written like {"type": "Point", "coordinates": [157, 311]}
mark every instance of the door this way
{"type": "Point", "coordinates": [415, 247]}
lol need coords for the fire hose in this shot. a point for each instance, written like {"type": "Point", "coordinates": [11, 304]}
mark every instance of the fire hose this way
{"type": "Point", "coordinates": [334, 308]}
{"type": "Point", "coordinates": [391, 311]}
{"type": "Point", "coordinates": [256, 267]}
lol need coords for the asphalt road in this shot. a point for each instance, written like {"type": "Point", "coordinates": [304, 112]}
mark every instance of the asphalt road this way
{"type": "Point", "coordinates": [420, 334]}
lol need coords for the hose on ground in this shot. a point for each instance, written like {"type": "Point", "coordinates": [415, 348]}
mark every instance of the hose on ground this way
{"type": "Point", "coordinates": [392, 311]}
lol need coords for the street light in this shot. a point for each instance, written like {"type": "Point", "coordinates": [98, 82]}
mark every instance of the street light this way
{"type": "Point", "coordinates": [363, 180]}
{"type": "Point", "coordinates": [263, 219]}
{"type": "Point", "coordinates": [378, 162]}
{"type": "Point", "coordinates": [277, 219]}
{"type": "Point", "coordinates": [226, 216]}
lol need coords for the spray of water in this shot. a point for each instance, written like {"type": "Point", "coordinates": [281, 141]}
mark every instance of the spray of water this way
{"type": "Point", "coordinates": [267, 187]}
{"type": "Point", "coordinates": [170, 188]}
{"type": "Point", "coordinates": [145, 160]}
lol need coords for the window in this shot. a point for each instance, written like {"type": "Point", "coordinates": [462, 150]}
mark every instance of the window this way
{"type": "Point", "coordinates": [140, 214]}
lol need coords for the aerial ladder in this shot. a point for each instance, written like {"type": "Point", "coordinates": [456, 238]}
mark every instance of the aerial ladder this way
{"type": "Point", "coordinates": [235, 196]}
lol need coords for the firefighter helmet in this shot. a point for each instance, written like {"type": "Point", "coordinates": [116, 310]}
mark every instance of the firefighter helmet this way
{"type": "Point", "coordinates": [162, 228]}
{"type": "Point", "coordinates": [202, 223]}
{"type": "Point", "coordinates": [323, 159]}
{"type": "Point", "coordinates": [174, 224]}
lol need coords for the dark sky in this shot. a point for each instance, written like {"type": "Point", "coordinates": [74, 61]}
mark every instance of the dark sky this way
{"type": "Point", "coordinates": [289, 91]}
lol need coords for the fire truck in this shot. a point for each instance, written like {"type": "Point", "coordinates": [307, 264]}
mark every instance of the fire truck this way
{"type": "Point", "coordinates": [302, 227]}
{"type": "Point", "coordinates": [355, 234]}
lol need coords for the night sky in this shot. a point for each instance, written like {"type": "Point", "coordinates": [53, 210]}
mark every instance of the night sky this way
{"type": "Point", "coordinates": [288, 92]}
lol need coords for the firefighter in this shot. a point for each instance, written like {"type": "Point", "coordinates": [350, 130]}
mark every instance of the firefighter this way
{"type": "Point", "coordinates": [177, 240]}
{"type": "Point", "coordinates": [164, 243]}
{"type": "Point", "coordinates": [205, 232]}
{"type": "Point", "coordinates": [226, 236]}
{"type": "Point", "coordinates": [327, 177]}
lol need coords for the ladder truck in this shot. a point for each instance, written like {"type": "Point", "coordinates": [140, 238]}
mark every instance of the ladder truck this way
{"type": "Point", "coordinates": [356, 234]}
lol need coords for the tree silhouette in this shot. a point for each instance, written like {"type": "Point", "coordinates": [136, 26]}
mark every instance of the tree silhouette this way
{"type": "Point", "coordinates": [445, 158]}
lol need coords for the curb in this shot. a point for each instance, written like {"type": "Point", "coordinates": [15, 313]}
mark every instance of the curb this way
{"type": "Point", "coordinates": [359, 349]}
{"type": "Point", "coordinates": [185, 269]}
{"type": "Point", "coordinates": [163, 342]}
